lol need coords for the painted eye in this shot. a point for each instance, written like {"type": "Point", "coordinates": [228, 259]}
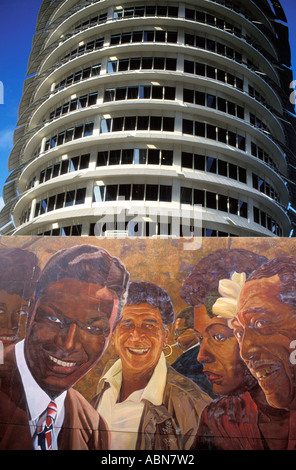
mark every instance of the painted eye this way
{"type": "Point", "coordinates": [219, 338]}
{"type": "Point", "coordinates": [54, 319]}
{"type": "Point", "coordinates": [22, 312]}
{"type": "Point", "coordinates": [127, 326]}
{"type": "Point", "coordinates": [148, 326]}
{"type": "Point", "coordinates": [260, 323]}
{"type": "Point", "coordinates": [238, 335]}
{"type": "Point", "coordinates": [97, 330]}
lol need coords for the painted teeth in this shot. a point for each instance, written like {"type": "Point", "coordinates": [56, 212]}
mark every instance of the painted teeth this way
{"type": "Point", "coordinates": [266, 372]}
{"type": "Point", "coordinates": [139, 351]}
{"type": "Point", "coordinates": [7, 338]}
{"type": "Point", "coordinates": [61, 363]}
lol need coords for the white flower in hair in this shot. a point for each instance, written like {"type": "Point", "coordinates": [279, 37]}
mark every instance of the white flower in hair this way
{"type": "Point", "coordinates": [229, 289]}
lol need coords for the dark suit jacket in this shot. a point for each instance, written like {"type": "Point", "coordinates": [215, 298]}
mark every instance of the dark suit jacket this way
{"type": "Point", "coordinates": [83, 428]}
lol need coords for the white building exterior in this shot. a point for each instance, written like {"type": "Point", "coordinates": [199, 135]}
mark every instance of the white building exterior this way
{"type": "Point", "coordinates": [153, 107]}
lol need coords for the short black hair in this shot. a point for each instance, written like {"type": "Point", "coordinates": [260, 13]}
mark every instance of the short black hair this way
{"type": "Point", "coordinates": [19, 271]}
{"type": "Point", "coordinates": [85, 263]}
{"type": "Point", "coordinates": [188, 315]}
{"type": "Point", "coordinates": [140, 292]}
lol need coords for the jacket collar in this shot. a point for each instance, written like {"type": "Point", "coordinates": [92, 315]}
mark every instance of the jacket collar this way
{"type": "Point", "coordinates": [153, 392]}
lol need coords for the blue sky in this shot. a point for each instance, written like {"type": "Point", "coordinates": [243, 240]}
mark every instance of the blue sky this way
{"type": "Point", "coordinates": [17, 26]}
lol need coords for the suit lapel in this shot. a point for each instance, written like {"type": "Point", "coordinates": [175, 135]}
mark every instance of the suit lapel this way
{"type": "Point", "coordinates": [15, 432]}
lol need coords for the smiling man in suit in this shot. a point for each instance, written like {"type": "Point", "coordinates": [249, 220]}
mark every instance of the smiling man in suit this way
{"type": "Point", "coordinates": [77, 300]}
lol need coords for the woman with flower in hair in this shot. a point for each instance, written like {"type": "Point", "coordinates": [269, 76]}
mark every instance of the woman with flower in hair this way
{"type": "Point", "coordinates": [235, 420]}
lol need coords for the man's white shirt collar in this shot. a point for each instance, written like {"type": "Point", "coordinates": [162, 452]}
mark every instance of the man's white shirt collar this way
{"type": "Point", "coordinates": [37, 398]}
{"type": "Point", "coordinates": [153, 391]}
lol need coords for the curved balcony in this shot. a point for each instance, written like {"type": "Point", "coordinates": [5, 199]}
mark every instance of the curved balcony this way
{"type": "Point", "coordinates": [196, 87]}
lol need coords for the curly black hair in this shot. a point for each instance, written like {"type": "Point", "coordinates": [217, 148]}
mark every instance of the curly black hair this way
{"type": "Point", "coordinates": [140, 292]}
{"type": "Point", "coordinates": [204, 279]}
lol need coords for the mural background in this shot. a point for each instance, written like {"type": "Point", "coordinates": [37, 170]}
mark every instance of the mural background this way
{"type": "Point", "coordinates": [164, 262]}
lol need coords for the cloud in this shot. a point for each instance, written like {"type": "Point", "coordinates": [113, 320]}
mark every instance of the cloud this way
{"type": "Point", "coordinates": [1, 203]}
{"type": "Point", "coordinates": [6, 139]}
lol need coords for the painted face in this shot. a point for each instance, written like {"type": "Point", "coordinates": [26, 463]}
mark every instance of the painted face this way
{"type": "Point", "coordinates": [219, 354]}
{"type": "Point", "coordinates": [140, 337]}
{"type": "Point", "coordinates": [185, 336]}
{"type": "Point", "coordinates": [69, 331]}
{"type": "Point", "coordinates": [13, 317]}
{"type": "Point", "coordinates": [265, 327]}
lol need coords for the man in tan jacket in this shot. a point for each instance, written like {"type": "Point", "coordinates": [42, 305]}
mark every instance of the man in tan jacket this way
{"type": "Point", "coordinates": [147, 404]}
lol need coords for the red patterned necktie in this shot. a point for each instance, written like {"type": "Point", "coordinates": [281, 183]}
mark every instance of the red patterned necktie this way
{"type": "Point", "coordinates": [45, 431]}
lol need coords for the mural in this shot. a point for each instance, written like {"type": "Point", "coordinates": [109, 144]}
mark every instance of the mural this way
{"type": "Point", "coordinates": [121, 344]}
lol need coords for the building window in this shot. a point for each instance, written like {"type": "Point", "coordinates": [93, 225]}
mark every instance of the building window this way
{"type": "Point", "coordinates": [212, 200]}
{"type": "Point", "coordinates": [59, 201]}
{"type": "Point", "coordinates": [149, 123]}
{"type": "Point", "coordinates": [124, 192]}
{"type": "Point", "coordinates": [88, 129]}
{"type": "Point", "coordinates": [144, 36]}
{"type": "Point", "coordinates": [82, 130]}
{"type": "Point", "coordinates": [135, 156]}
{"type": "Point", "coordinates": [161, 229]}
{"type": "Point", "coordinates": [186, 195]}
{"type": "Point", "coordinates": [258, 123]}
{"type": "Point", "coordinates": [105, 125]}
{"type": "Point", "coordinates": [213, 46]}
{"type": "Point", "coordinates": [213, 102]}
{"type": "Point", "coordinates": [265, 220]}
{"type": "Point", "coordinates": [256, 95]}
{"type": "Point", "coordinates": [264, 187]}
{"type": "Point", "coordinates": [98, 194]}
{"type": "Point", "coordinates": [205, 70]}
{"type": "Point", "coordinates": [207, 18]}
{"type": "Point", "coordinates": [89, 46]}
{"type": "Point", "coordinates": [142, 63]}
{"type": "Point", "coordinates": [60, 168]}
{"type": "Point", "coordinates": [71, 231]}
{"type": "Point", "coordinates": [140, 92]}
{"type": "Point", "coordinates": [201, 129]}
{"type": "Point", "coordinates": [149, 10]}
{"type": "Point", "coordinates": [258, 152]}
{"type": "Point", "coordinates": [74, 104]}
{"type": "Point", "coordinates": [91, 21]}
{"type": "Point", "coordinates": [135, 192]}
{"type": "Point", "coordinates": [84, 74]}
{"type": "Point", "coordinates": [165, 193]}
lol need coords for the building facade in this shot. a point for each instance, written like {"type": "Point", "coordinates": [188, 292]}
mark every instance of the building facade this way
{"type": "Point", "coordinates": [137, 111]}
